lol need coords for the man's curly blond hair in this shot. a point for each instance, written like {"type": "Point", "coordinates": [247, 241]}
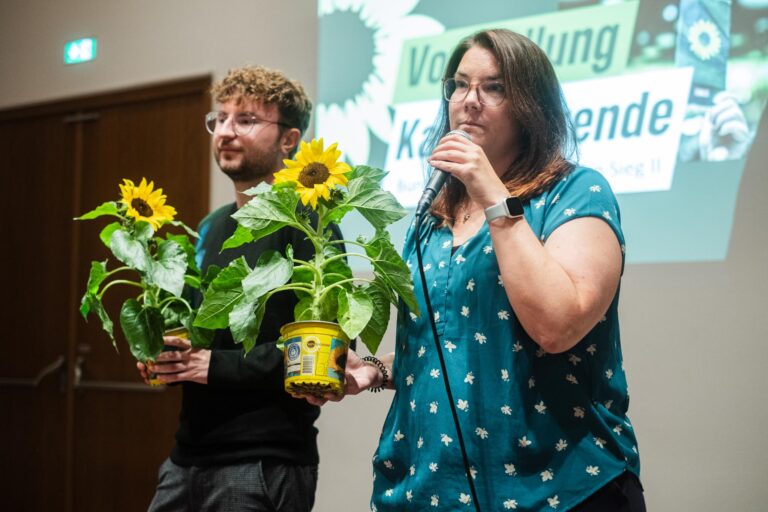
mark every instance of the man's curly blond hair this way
{"type": "Point", "coordinates": [257, 83]}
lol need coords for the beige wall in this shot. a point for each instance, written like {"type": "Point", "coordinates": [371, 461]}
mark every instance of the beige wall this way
{"type": "Point", "coordinates": [147, 41]}
{"type": "Point", "coordinates": [694, 335]}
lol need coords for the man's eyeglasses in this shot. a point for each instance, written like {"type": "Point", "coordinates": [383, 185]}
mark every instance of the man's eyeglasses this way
{"type": "Point", "coordinates": [490, 92]}
{"type": "Point", "coordinates": [242, 123]}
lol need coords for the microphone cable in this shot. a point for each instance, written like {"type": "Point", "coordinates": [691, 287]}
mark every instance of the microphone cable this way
{"type": "Point", "coordinates": [439, 349]}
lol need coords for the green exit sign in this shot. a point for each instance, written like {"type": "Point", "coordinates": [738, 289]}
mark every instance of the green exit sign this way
{"type": "Point", "coordinates": [81, 50]}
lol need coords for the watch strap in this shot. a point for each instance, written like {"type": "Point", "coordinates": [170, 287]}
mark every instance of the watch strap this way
{"type": "Point", "coordinates": [502, 209]}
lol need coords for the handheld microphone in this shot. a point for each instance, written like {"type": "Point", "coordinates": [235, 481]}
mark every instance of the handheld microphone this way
{"type": "Point", "coordinates": [436, 182]}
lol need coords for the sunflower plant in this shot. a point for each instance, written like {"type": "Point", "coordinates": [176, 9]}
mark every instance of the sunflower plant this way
{"type": "Point", "coordinates": [159, 268]}
{"type": "Point", "coordinates": [326, 288]}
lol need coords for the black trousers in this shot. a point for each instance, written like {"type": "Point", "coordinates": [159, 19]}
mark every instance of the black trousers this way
{"type": "Point", "coordinates": [262, 486]}
{"type": "Point", "coordinates": [622, 494]}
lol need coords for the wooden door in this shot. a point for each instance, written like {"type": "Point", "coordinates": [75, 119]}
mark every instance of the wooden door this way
{"type": "Point", "coordinates": [38, 165]}
{"type": "Point", "coordinates": [89, 435]}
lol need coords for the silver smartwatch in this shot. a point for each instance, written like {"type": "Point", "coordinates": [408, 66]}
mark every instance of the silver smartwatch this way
{"type": "Point", "coordinates": [510, 207]}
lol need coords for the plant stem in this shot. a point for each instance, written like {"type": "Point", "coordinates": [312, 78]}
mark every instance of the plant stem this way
{"type": "Point", "coordinates": [345, 254]}
{"type": "Point", "coordinates": [338, 284]}
{"type": "Point", "coordinates": [115, 271]}
{"type": "Point", "coordinates": [350, 242]}
{"type": "Point", "coordinates": [306, 265]}
{"type": "Point", "coordinates": [294, 286]}
{"type": "Point", "coordinates": [169, 300]}
{"type": "Point", "coordinates": [119, 281]}
{"type": "Point", "coordinates": [319, 242]}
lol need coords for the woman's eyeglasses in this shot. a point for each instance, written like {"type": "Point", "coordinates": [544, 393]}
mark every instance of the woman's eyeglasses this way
{"type": "Point", "coordinates": [489, 92]}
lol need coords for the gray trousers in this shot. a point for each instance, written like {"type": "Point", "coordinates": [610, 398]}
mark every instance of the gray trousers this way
{"type": "Point", "coordinates": [262, 486]}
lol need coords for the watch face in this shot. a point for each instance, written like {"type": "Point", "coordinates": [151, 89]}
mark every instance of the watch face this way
{"type": "Point", "coordinates": [514, 206]}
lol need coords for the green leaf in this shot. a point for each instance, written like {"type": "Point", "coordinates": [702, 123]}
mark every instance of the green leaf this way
{"type": "Point", "coordinates": [143, 231]}
{"type": "Point", "coordinates": [198, 336]}
{"type": "Point", "coordinates": [302, 275]}
{"type": "Point", "coordinates": [329, 305]}
{"type": "Point", "coordinates": [97, 275]}
{"type": "Point", "coordinates": [333, 272]}
{"type": "Point", "coordinates": [192, 281]}
{"type": "Point", "coordinates": [328, 311]}
{"type": "Point", "coordinates": [177, 223]}
{"type": "Point", "coordinates": [379, 207]}
{"type": "Point", "coordinates": [242, 235]}
{"type": "Point", "coordinates": [210, 274]}
{"type": "Point", "coordinates": [167, 272]}
{"type": "Point", "coordinates": [336, 270]}
{"type": "Point", "coordinates": [269, 211]}
{"type": "Point", "coordinates": [271, 270]}
{"type": "Point", "coordinates": [106, 234]}
{"type": "Point", "coordinates": [108, 208]}
{"type": "Point", "coordinates": [261, 188]}
{"type": "Point", "coordinates": [174, 315]}
{"type": "Point", "coordinates": [189, 249]}
{"type": "Point", "coordinates": [303, 309]}
{"type": "Point", "coordinates": [355, 310]}
{"type": "Point", "coordinates": [364, 185]}
{"type": "Point", "coordinates": [85, 305]}
{"type": "Point", "coordinates": [334, 215]}
{"type": "Point", "coordinates": [371, 175]}
{"type": "Point", "coordinates": [143, 327]}
{"type": "Point", "coordinates": [390, 268]}
{"type": "Point", "coordinates": [373, 333]}
{"type": "Point", "coordinates": [91, 303]}
{"type": "Point", "coordinates": [245, 322]}
{"type": "Point", "coordinates": [129, 250]}
{"type": "Point", "coordinates": [221, 295]}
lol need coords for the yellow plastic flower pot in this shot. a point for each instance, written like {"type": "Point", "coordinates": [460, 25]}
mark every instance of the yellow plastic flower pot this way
{"type": "Point", "coordinates": [315, 357]}
{"type": "Point", "coordinates": [181, 332]}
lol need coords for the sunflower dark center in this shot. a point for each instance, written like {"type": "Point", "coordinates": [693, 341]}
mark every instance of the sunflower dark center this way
{"type": "Point", "coordinates": [313, 174]}
{"type": "Point", "coordinates": [142, 207]}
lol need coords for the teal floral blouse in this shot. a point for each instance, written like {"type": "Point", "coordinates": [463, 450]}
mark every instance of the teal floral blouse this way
{"type": "Point", "coordinates": [542, 431]}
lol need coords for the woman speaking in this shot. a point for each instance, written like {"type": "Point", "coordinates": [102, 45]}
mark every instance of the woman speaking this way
{"type": "Point", "coordinates": [522, 258]}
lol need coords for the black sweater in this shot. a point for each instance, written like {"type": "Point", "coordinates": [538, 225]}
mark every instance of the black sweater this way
{"type": "Point", "coordinates": [243, 413]}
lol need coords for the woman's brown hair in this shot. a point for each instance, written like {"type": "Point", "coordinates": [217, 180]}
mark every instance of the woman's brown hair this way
{"type": "Point", "coordinates": [535, 103]}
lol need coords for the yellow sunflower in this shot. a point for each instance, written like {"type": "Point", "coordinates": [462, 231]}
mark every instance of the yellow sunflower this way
{"type": "Point", "coordinates": [145, 204]}
{"type": "Point", "coordinates": [315, 171]}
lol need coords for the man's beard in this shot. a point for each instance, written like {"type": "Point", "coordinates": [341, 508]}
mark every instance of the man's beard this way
{"type": "Point", "coordinates": [255, 165]}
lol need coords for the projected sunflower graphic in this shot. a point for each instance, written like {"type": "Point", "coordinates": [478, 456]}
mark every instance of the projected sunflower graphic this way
{"type": "Point", "coordinates": [704, 40]}
{"type": "Point", "coordinates": [357, 72]}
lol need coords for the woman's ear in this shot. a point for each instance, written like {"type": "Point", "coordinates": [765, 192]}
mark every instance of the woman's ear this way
{"type": "Point", "coordinates": [289, 140]}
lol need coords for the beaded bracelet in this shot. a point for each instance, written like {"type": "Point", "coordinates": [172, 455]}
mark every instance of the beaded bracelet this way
{"type": "Point", "coordinates": [384, 375]}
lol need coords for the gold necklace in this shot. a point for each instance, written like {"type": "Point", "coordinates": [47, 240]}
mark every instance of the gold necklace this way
{"type": "Point", "coordinates": [467, 214]}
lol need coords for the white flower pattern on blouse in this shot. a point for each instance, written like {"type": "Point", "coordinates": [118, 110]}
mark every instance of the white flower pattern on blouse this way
{"type": "Point", "coordinates": [502, 381]}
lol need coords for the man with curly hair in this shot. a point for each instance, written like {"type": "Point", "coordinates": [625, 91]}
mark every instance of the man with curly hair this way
{"type": "Point", "coordinates": [243, 443]}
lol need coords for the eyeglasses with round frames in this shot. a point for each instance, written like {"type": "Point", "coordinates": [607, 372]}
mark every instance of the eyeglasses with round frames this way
{"type": "Point", "coordinates": [489, 92]}
{"type": "Point", "coordinates": [242, 122]}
